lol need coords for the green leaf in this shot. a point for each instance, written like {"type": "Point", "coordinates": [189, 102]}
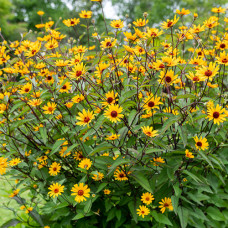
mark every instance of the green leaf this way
{"type": "Point", "coordinates": [119, 161]}
{"type": "Point", "coordinates": [88, 206]}
{"type": "Point", "coordinates": [205, 158]}
{"type": "Point", "coordinates": [169, 123]}
{"type": "Point", "coordinates": [70, 148]}
{"type": "Point", "coordinates": [142, 180]}
{"type": "Point", "coordinates": [175, 201]}
{"type": "Point", "coordinates": [56, 146]}
{"type": "Point", "coordinates": [101, 147]}
{"type": "Point", "coordinates": [78, 216]}
{"type": "Point", "coordinates": [153, 150]}
{"type": "Point", "coordinates": [183, 135]}
{"type": "Point", "coordinates": [126, 95]}
{"type": "Point", "coordinates": [132, 208]}
{"type": "Point", "coordinates": [43, 133]}
{"type": "Point", "coordinates": [161, 218]}
{"type": "Point", "coordinates": [215, 214]}
{"type": "Point", "coordinates": [183, 216]}
{"type": "Point", "coordinates": [185, 96]}
{"type": "Point", "coordinates": [10, 223]}
{"type": "Point", "coordinates": [101, 187]}
{"type": "Point", "coordinates": [193, 176]}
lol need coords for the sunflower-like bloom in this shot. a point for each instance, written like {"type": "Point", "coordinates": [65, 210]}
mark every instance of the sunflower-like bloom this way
{"type": "Point", "coordinates": [64, 87]}
{"type": "Point", "coordinates": [49, 108]}
{"type": "Point", "coordinates": [151, 102]}
{"type": "Point", "coordinates": [113, 113]}
{"type": "Point", "coordinates": [78, 71]}
{"type": "Point", "coordinates": [166, 204]}
{"type": "Point", "coordinates": [153, 32]}
{"type": "Point", "coordinates": [195, 78]}
{"type": "Point", "coordinates": [149, 131]}
{"type": "Point", "coordinates": [78, 98]}
{"type": "Point", "coordinates": [54, 169]}
{"type": "Point", "coordinates": [85, 14]}
{"type": "Point", "coordinates": [108, 43]}
{"type": "Point", "coordinates": [218, 10]}
{"type": "Point", "coordinates": [216, 114]}
{"type": "Point", "coordinates": [112, 137]}
{"type": "Point", "coordinates": [201, 143]}
{"type": "Point", "coordinates": [85, 163]}
{"type": "Point", "coordinates": [56, 189]}
{"type": "Point", "coordinates": [170, 23]}
{"type": "Point", "coordinates": [2, 108]}
{"type": "Point", "coordinates": [158, 160]}
{"type": "Point", "coordinates": [85, 117]}
{"type": "Point", "coordinates": [40, 13]}
{"type": "Point", "coordinates": [120, 175]}
{"type": "Point", "coordinates": [71, 22]}
{"type": "Point", "coordinates": [3, 165]}
{"type": "Point", "coordinates": [98, 177]}
{"type": "Point", "coordinates": [35, 102]}
{"type": "Point", "coordinates": [110, 98]}
{"type": "Point", "coordinates": [14, 161]}
{"type": "Point", "coordinates": [222, 59]}
{"type": "Point", "coordinates": [188, 154]}
{"type": "Point", "coordinates": [51, 44]}
{"type": "Point", "coordinates": [221, 44]}
{"type": "Point", "coordinates": [143, 210]}
{"type": "Point", "coordinates": [167, 78]}
{"type": "Point", "coordinates": [140, 22]}
{"type": "Point", "coordinates": [183, 12]}
{"type": "Point", "coordinates": [208, 72]}
{"type": "Point", "coordinates": [26, 88]}
{"type": "Point", "coordinates": [147, 198]}
{"type": "Point", "coordinates": [81, 192]}
{"type": "Point", "coordinates": [118, 24]}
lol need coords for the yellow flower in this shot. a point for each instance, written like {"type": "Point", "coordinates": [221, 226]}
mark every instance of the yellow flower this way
{"type": "Point", "coordinates": [208, 72]}
{"type": "Point", "coordinates": [143, 210]}
{"type": "Point", "coordinates": [71, 22]}
{"type": "Point", "coordinates": [78, 156]}
{"type": "Point", "coordinates": [218, 10]}
{"type": "Point", "coordinates": [195, 78]}
{"type": "Point", "coordinates": [147, 198]}
{"type": "Point", "coordinates": [85, 14]}
{"type": "Point", "coordinates": [188, 154]}
{"type": "Point", "coordinates": [110, 98]}
{"type": "Point", "coordinates": [166, 204]}
{"type": "Point", "coordinates": [2, 108]}
{"type": "Point", "coordinates": [98, 177]}
{"type": "Point", "coordinates": [170, 23]}
{"type": "Point", "coordinates": [78, 98]}
{"type": "Point", "coordinates": [222, 45]}
{"type": "Point", "coordinates": [14, 161]}
{"type": "Point", "coordinates": [113, 113]}
{"type": "Point", "coordinates": [223, 58]}
{"type": "Point", "coordinates": [120, 175]}
{"type": "Point", "coordinates": [54, 169]}
{"type": "Point", "coordinates": [78, 71]}
{"type": "Point", "coordinates": [183, 12]}
{"type": "Point", "coordinates": [64, 87]}
{"type": "Point", "coordinates": [107, 191]}
{"type": "Point", "coordinates": [81, 192]}
{"type": "Point", "coordinates": [85, 163]}
{"type": "Point", "coordinates": [118, 24]}
{"type": "Point", "coordinates": [15, 192]}
{"type": "Point", "coordinates": [56, 189]}
{"type": "Point", "coordinates": [108, 43]}
{"type": "Point", "coordinates": [85, 117]}
{"type": "Point", "coordinates": [158, 160]}
{"type": "Point", "coordinates": [151, 102]}
{"type": "Point", "coordinates": [216, 114]}
{"type": "Point", "coordinates": [140, 22]}
{"type": "Point", "coordinates": [149, 131]}
{"type": "Point", "coordinates": [167, 78]}
{"type": "Point", "coordinates": [40, 13]}
{"type": "Point", "coordinates": [35, 102]}
{"type": "Point", "coordinates": [49, 108]}
{"type": "Point", "coordinates": [51, 44]}
{"type": "Point", "coordinates": [28, 210]}
{"type": "Point", "coordinates": [26, 88]}
{"type": "Point", "coordinates": [112, 137]}
{"type": "Point", "coordinates": [201, 143]}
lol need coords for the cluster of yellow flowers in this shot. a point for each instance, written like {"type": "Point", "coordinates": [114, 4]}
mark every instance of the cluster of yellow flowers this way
{"type": "Point", "coordinates": [92, 114]}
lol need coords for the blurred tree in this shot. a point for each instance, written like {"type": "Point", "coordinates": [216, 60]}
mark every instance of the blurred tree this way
{"type": "Point", "coordinates": [10, 30]}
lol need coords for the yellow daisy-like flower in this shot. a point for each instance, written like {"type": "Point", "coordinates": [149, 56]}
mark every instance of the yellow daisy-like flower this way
{"type": "Point", "coordinates": [201, 143]}
{"type": "Point", "coordinates": [49, 108]}
{"type": "Point", "coordinates": [78, 71]}
{"type": "Point", "coordinates": [35, 102]}
{"type": "Point", "coordinates": [113, 113]}
{"type": "Point", "coordinates": [166, 204]}
{"type": "Point", "coordinates": [143, 210]}
{"type": "Point", "coordinates": [149, 131]}
{"type": "Point", "coordinates": [167, 78]}
{"type": "Point", "coordinates": [26, 88]}
{"type": "Point", "coordinates": [218, 10]}
{"type": "Point", "coordinates": [140, 22]}
{"type": "Point", "coordinates": [216, 114]}
{"type": "Point", "coordinates": [98, 177]}
{"type": "Point", "coordinates": [78, 98]}
{"type": "Point", "coordinates": [85, 14]}
{"type": "Point", "coordinates": [15, 192]}
{"type": "Point", "coordinates": [151, 102]}
{"type": "Point", "coordinates": [85, 117]}
{"type": "Point", "coordinates": [56, 189]}
{"type": "Point", "coordinates": [108, 43]}
{"type": "Point", "coordinates": [170, 23]}
{"type": "Point", "coordinates": [54, 169]}
{"type": "Point", "coordinates": [157, 161]}
{"type": "Point", "coordinates": [28, 210]}
{"type": "Point", "coordinates": [71, 22]}
{"type": "Point", "coordinates": [112, 137]}
{"type": "Point", "coordinates": [188, 154]}
{"type": "Point", "coordinates": [81, 192]}
{"type": "Point", "coordinates": [85, 163]}
{"type": "Point", "coordinates": [107, 191]}
{"type": "Point", "coordinates": [14, 161]}
{"type": "Point", "coordinates": [40, 13]}
{"type": "Point", "coordinates": [183, 12]}
{"type": "Point", "coordinates": [120, 175]}
{"type": "Point", "coordinates": [208, 72]}
{"type": "Point", "coordinates": [110, 98]}
{"type": "Point", "coordinates": [223, 58]}
{"type": "Point", "coordinates": [118, 24]}
{"type": "Point", "coordinates": [147, 198]}
{"type": "Point", "coordinates": [195, 78]}
{"type": "Point", "coordinates": [65, 87]}
{"type": "Point", "coordinates": [78, 156]}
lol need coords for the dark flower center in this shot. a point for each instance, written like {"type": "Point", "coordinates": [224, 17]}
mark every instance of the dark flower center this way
{"type": "Point", "coordinates": [162, 66]}
{"type": "Point", "coordinates": [216, 115]}
{"type": "Point", "coordinates": [168, 79]}
{"type": "Point", "coordinates": [199, 144]}
{"type": "Point", "coordinates": [121, 175]}
{"type": "Point", "coordinates": [86, 119]}
{"type": "Point", "coordinates": [195, 79]}
{"type": "Point", "coordinates": [54, 169]}
{"type": "Point", "coordinates": [222, 45]}
{"type": "Point", "coordinates": [56, 190]}
{"type": "Point", "coordinates": [109, 100]}
{"type": "Point", "coordinates": [151, 104]}
{"type": "Point", "coordinates": [78, 73]}
{"type": "Point", "coordinates": [80, 192]}
{"type": "Point", "coordinates": [225, 60]}
{"type": "Point", "coordinates": [208, 73]}
{"type": "Point", "coordinates": [27, 90]}
{"type": "Point", "coordinates": [64, 87]}
{"type": "Point", "coordinates": [49, 77]}
{"type": "Point", "coordinates": [169, 24]}
{"type": "Point", "coordinates": [108, 44]}
{"type": "Point", "coordinates": [114, 113]}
